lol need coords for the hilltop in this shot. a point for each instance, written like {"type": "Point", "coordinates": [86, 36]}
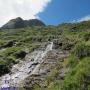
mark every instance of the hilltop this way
{"type": "Point", "coordinates": [20, 23]}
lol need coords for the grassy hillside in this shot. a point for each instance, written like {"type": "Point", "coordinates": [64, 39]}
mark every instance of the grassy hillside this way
{"type": "Point", "coordinates": [75, 38]}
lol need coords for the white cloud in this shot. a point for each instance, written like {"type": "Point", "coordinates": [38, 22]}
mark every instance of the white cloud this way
{"type": "Point", "coordinates": [27, 9]}
{"type": "Point", "coordinates": [85, 18]}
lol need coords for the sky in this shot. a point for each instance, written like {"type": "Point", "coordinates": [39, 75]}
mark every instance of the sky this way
{"type": "Point", "coordinates": [52, 12]}
{"type": "Point", "coordinates": [59, 11]}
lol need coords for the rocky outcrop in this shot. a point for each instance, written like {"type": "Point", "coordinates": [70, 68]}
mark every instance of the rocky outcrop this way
{"type": "Point", "coordinates": [20, 23]}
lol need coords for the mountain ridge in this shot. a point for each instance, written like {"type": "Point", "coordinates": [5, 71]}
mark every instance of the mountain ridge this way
{"type": "Point", "coordinates": [20, 23]}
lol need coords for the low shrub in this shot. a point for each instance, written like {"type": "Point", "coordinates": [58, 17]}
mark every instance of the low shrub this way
{"type": "Point", "coordinates": [82, 50]}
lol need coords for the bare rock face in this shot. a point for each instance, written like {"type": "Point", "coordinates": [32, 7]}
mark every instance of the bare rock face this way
{"type": "Point", "coordinates": [20, 23]}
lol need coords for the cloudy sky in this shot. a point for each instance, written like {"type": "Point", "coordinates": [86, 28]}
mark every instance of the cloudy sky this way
{"type": "Point", "coordinates": [50, 11]}
{"type": "Point", "coordinates": [27, 9]}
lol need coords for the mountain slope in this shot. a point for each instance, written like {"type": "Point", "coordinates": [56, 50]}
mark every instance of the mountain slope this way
{"type": "Point", "coordinates": [65, 67]}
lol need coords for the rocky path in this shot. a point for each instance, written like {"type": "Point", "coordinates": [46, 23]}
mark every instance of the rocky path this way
{"type": "Point", "coordinates": [26, 68]}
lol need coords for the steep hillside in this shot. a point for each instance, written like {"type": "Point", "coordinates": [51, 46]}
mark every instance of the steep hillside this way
{"type": "Point", "coordinates": [59, 56]}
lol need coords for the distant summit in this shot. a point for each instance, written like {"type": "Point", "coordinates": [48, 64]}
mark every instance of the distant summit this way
{"type": "Point", "coordinates": [20, 23]}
